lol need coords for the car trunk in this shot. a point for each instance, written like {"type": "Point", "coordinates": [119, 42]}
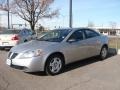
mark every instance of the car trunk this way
{"type": "Point", "coordinates": [7, 37]}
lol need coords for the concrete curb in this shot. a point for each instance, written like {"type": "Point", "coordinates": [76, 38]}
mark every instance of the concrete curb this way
{"type": "Point", "coordinates": [118, 52]}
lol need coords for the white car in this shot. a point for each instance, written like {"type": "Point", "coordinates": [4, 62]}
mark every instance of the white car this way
{"type": "Point", "coordinates": [10, 38]}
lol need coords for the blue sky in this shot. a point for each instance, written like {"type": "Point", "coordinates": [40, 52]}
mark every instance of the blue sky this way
{"type": "Point", "coordinates": [97, 11]}
{"type": "Point", "coordinates": [100, 12]}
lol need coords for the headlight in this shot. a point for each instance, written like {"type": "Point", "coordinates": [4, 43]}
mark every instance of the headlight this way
{"type": "Point", "coordinates": [30, 54]}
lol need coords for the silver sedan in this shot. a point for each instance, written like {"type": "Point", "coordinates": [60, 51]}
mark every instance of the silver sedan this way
{"type": "Point", "coordinates": [57, 48]}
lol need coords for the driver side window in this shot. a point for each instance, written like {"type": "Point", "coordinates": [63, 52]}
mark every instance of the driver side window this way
{"type": "Point", "coordinates": [77, 36]}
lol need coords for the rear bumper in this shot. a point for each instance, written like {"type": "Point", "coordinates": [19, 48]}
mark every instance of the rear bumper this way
{"type": "Point", "coordinates": [8, 44]}
{"type": "Point", "coordinates": [2, 47]}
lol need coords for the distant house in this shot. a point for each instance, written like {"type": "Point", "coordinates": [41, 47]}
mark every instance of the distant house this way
{"type": "Point", "coordinates": [108, 30]}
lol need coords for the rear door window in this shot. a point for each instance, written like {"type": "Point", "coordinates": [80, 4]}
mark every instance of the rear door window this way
{"type": "Point", "coordinates": [90, 33]}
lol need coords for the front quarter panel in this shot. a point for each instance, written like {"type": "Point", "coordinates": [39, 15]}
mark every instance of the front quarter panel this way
{"type": "Point", "coordinates": [49, 51]}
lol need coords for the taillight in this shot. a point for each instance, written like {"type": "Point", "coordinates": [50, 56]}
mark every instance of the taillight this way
{"type": "Point", "coordinates": [16, 37]}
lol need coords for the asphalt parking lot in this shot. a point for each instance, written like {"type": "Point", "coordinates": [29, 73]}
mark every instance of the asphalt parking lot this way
{"type": "Point", "coordinates": [90, 74]}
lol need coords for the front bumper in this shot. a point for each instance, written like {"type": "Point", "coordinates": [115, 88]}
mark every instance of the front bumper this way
{"type": "Point", "coordinates": [27, 65]}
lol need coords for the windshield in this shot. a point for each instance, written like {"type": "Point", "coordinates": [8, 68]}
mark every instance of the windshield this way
{"type": "Point", "coordinates": [10, 32]}
{"type": "Point", "coordinates": [55, 35]}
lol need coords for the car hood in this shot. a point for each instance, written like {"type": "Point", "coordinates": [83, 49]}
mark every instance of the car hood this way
{"type": "Point", "coordinates": [32, 45]}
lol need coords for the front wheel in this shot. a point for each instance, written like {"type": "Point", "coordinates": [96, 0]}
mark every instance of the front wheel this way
{"type": "Point", "coordinates": [103, 53]}
{"type": "Point", "coordinates": [55, 64]}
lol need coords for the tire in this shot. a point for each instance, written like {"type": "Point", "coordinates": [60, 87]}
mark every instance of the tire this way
{"type": "Point", "coordinates": [54, 65]}
{"type": "Point", "coordinates": [2, 48]}
{"type": "Point", "coordinates": [25, 40]}
{"type": "Point", "coordinates": [103, 53]}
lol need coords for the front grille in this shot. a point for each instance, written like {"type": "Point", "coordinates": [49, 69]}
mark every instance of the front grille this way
{"type": "Point", "coordinates": [9, 54]}
{"type": "Point", "coordinates": [12, 55]}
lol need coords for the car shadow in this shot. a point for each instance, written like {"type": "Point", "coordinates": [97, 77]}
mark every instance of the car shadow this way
{"type": "Point", "coordinates": [40, 73]}
{"type": "Point", "coordinates": [81, 63]}
{"type": "Point", "coordinates": [112, 52]}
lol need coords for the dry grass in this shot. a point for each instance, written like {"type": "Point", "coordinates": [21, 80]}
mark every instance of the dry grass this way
{"type": "Point", "coordinates": [114, 42]}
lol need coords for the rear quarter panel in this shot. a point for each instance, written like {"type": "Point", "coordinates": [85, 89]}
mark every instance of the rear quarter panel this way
{"type": "Point", "coordinates": [104, 40]}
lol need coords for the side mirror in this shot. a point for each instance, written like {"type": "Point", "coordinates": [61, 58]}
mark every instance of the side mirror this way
{"type": "Point", "coordinates": [72, 40]}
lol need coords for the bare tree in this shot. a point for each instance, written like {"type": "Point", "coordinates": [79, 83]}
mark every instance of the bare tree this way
{"type": "Point", "coordinates": [90, 24]}
{"type": "Point", "coordinates": [31, 10]}
{"type": "Point", "coordinates": [113, 24]}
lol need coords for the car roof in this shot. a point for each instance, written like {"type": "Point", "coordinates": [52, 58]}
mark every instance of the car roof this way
{"type": "Point", "coordinates": [12, 29]}
{"type": "Point", "coordinates": [75, 28]}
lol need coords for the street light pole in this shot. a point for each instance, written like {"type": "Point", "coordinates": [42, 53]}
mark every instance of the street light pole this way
{"type": "Point", "coordinates": [70, 13]}
{"type": "Point", "coordinates": [8, 14]}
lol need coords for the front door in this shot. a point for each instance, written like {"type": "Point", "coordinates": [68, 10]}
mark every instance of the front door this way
{"type": "Point", "coordinates": [75, 47]}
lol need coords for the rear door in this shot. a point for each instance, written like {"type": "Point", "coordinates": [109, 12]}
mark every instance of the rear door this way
{"type": "Point", "coordinates": [92, 41]}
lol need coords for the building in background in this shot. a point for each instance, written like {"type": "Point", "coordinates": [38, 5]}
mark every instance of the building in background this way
{"type": "Point", "coordinates": [108, 30]}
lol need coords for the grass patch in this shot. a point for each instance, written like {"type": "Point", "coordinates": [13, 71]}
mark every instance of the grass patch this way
{"type": "Point", "coordinates": [114, 42]}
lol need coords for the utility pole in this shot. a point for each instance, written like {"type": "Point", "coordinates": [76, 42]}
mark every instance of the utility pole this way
{"type": "Point", "coordinates": [0, 22]}
{"type": "Point", "coordinates": [8, 14]}
{"type": "Point", "coordinates": [70, 15]}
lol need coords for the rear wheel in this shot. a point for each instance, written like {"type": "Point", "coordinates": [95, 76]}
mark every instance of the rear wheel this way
{"type": "Point", "coordinates": [103, 53]}
{"type": "Point", "coordinates": [54, 65]}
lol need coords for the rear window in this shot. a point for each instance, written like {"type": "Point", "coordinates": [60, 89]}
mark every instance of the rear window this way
{"type": "Point", "coordinates": [10, 32]}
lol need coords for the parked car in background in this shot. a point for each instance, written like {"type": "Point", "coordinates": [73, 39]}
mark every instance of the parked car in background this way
{"type": "Point", "coordinates": [41, 34]}
{"type": "Point", "coordinates": [57, 48]}
{"type": "Point", "coordinates": [10, 38]}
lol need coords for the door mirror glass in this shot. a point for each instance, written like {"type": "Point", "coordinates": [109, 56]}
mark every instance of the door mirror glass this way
{"type": "Point", "coordinates": [72, 40]}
